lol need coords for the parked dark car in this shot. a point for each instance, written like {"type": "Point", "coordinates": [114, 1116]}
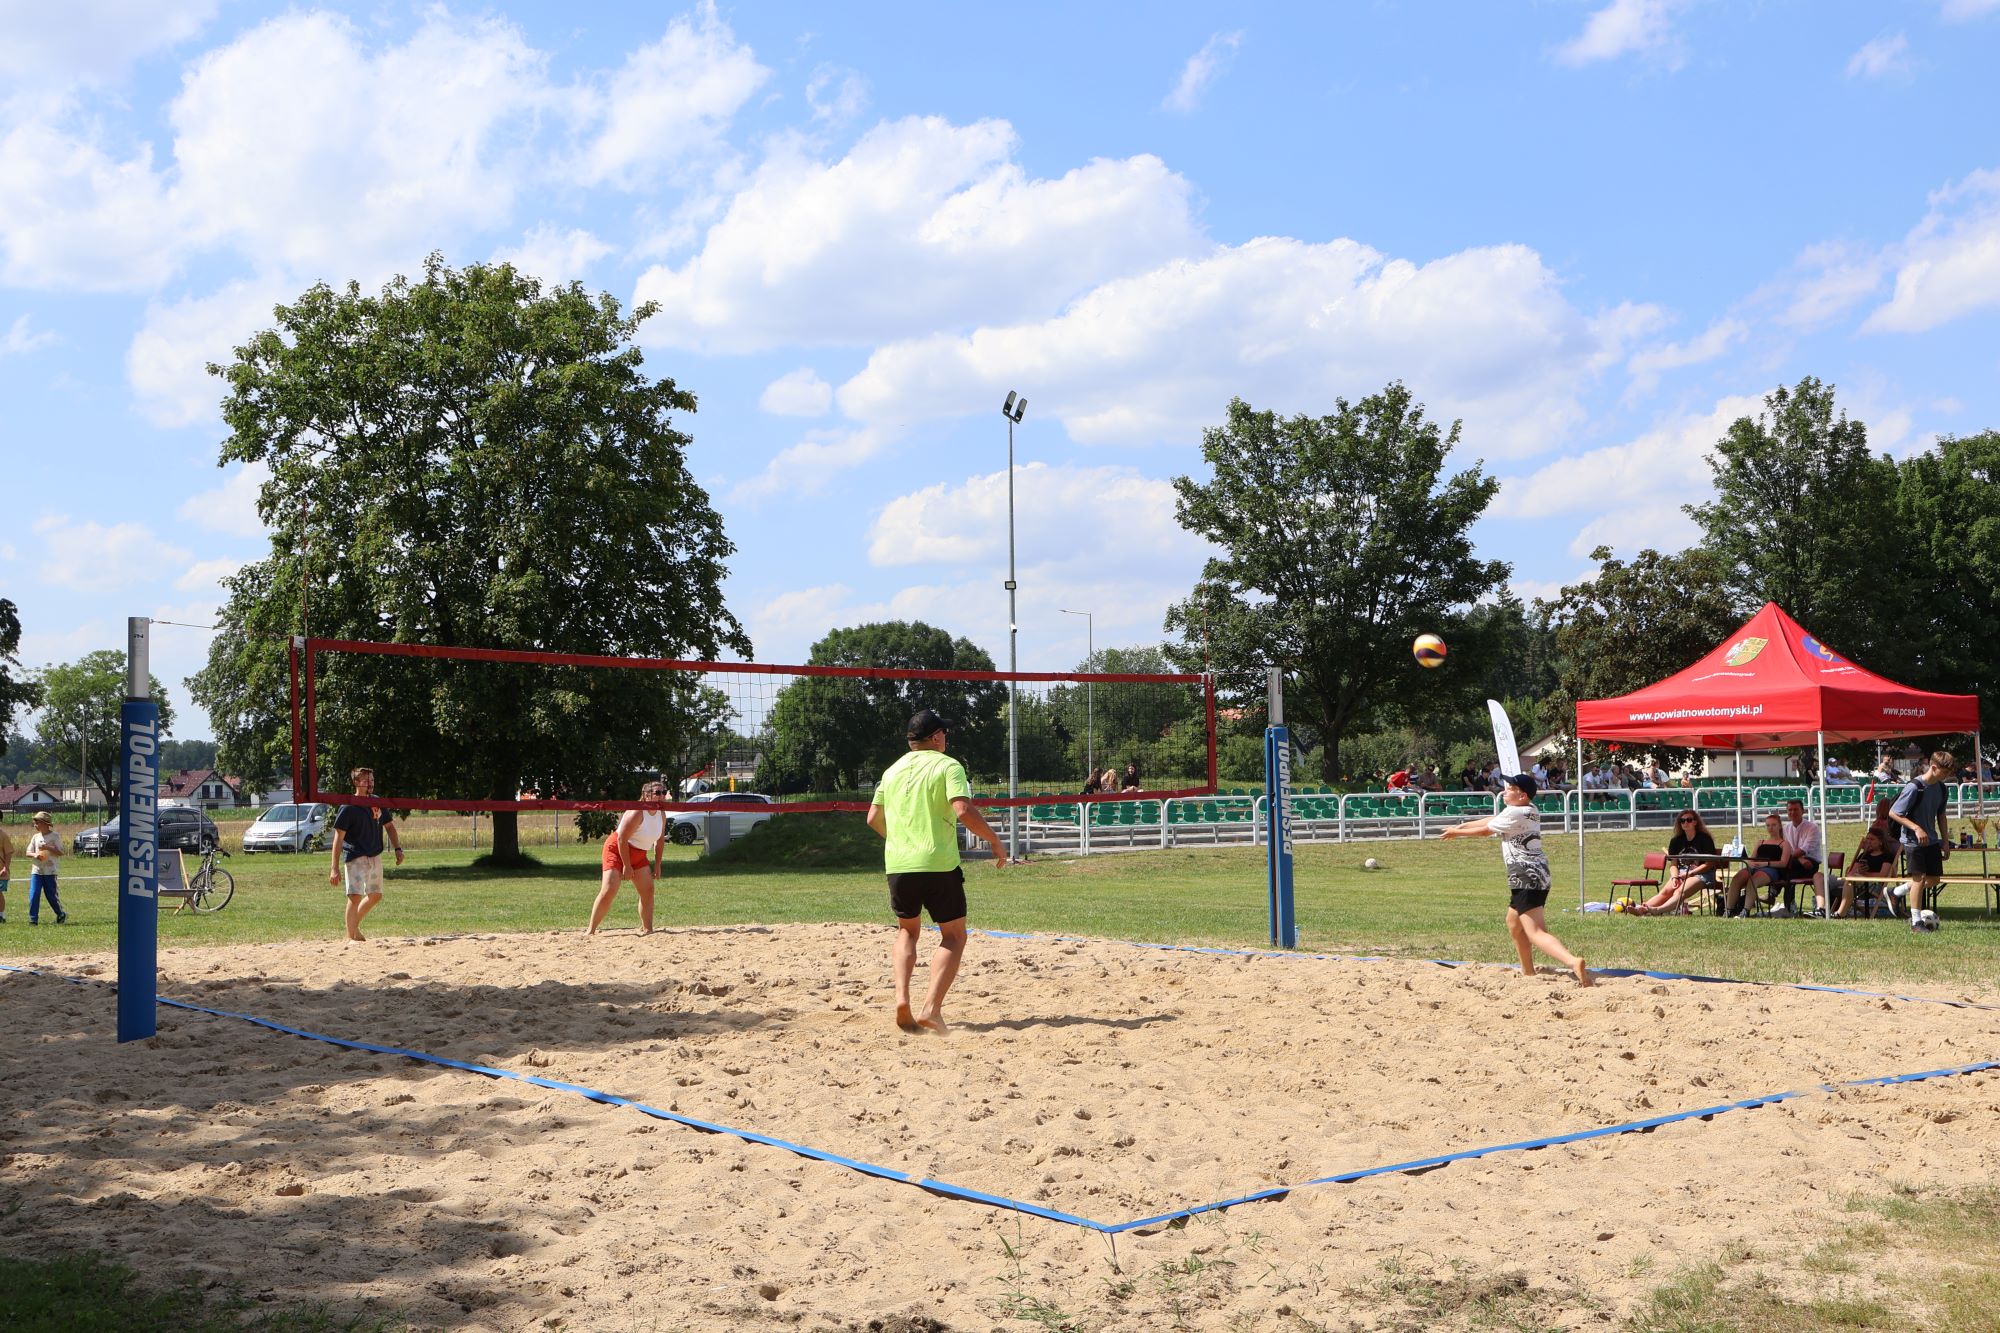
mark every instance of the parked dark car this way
{"type": "Point", "coordinates": [181, 826]}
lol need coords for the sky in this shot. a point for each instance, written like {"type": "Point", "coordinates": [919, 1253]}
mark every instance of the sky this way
{"type": "Point", "coordinates": [1594, 233]}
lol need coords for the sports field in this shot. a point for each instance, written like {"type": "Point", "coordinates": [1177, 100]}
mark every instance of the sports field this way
{"type": "Point", "coordinates": [1085, 1077]}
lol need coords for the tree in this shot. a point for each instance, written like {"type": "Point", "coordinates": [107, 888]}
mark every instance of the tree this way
{"type": "Point", "coordinates": [1945, 592]}
{"type": "Point", "coordinates": [1804, 516]}
{"type": "Point", "coordinates": [80, 706]}
{"type": "Point", "coordinates": [1112, 724]}
{"type": "Point", "coordinates": [828, 733]}
{"type": "Point", "coordinates": [1342, 540]}
{"type": "Point", "coordinates": [1633, 624]}
{"type": "Point", "coordinates": [16, 690]}
{"type": "Point", "coordinates": [468, 460]}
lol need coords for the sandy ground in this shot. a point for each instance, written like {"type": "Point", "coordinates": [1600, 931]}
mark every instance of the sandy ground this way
{"type": "Point", "coordinates": [1093, 1078]}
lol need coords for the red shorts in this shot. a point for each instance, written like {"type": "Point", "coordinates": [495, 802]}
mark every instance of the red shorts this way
{"type": "Point", "coordinates": [611, 860]}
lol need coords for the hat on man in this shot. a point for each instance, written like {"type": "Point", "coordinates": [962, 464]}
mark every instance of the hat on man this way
{"type": "Point", "coordinates": [924, 726]}
{"type": "Point", "coordinates": [1525, 781]}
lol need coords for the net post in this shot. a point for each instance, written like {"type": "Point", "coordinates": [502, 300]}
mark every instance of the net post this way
{"type": "Point", "coordinates": [1208, 706]}
{"type": "Point", "coordinates": [138, 842]}
{"type": "Point", "coordinates": [292, 647]}
{"type": "Point", "coordinates": [1278, 821]}
{"type": "Point", "coordinates": [309, 763]}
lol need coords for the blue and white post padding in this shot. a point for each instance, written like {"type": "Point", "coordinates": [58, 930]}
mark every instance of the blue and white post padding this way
{"type": "Point", "coordinates": [1278, 820]}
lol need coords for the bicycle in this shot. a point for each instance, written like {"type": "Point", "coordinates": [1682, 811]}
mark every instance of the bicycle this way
{"type": "Point", "coordinates": [210, 887]}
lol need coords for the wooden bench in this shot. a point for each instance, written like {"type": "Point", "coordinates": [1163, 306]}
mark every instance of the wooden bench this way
{"type": "Point", "coordinates": [1989, 886]}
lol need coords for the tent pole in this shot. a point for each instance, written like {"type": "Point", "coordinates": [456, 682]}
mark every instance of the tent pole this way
{"type": "Point", "coordinates": [1739, 791]}
{"type": "Point", "coordinates": [1826, 893]}
{"type": "Point", "coordinates": [1576, 786]}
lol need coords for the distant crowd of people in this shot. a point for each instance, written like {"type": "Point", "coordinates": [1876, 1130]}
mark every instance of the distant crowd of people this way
{"type": "Point", "coordinates": [1111, 781]}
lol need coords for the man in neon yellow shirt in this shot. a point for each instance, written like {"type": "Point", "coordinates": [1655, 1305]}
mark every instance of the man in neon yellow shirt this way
{"type": "Point", "coordinates": [917, 808]}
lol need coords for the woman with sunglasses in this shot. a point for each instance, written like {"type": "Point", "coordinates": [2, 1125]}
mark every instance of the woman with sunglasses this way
{"type": "Point", "coordinates": [1691, 838]}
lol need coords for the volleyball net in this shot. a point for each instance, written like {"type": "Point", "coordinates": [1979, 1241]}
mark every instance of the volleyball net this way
{"type": "Point", "coordinates": [484, 729]}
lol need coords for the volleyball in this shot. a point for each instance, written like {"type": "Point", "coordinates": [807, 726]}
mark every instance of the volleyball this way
{"type": "Point", "coordinates": [1371, 864]}
{"type": "Point", "coordinates": [1924, 919]}
{"type": "Point", "coordinates": [1429, 650]}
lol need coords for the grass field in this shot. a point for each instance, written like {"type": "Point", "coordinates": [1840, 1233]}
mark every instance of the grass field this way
{"type": "Point", "coordinates": [1429, 900]}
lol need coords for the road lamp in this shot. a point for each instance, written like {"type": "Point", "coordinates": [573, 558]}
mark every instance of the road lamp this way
{"type": "Point", "coordinates": [1089, 690]}
{"type": "Point", "coordinates": [1013, 409]}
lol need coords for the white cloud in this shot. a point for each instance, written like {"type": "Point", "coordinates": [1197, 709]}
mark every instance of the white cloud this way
{"type": "Point", "coordinates": [231, 508]}
{"type": "Point", "coordinates": [206, 575]}
{"type": "Point", "coordinates": [800, 393]}
{"type": "Point", "coordinates": [1662, 527]}
{"type": "Point", "coordinates": [76, 216]}
{"type": "Point", "coordinates": [1108, 520]}
{"type": "Point", "coordinates": [1485, 334]}
{"type": "Point", "coordinates": [1624, 27]}
{"type": "Point", "coordinates": [93, 557]}
{"type": "Point", "coordinates": [19, 339]}
{"type": "Point", "coordinates": [1834, 278]}
{"type": "Point", "coordinates": [806, 467]}
{"type": "Point", "coordinates": [1660, 470]}
{"type": "Point", "coordinates": [90, 40]}
{"type": "Point", "coordinates": [554, 255]}
{"type": "Point", "coordinates": [1648, 365]}
{"type": "Point", "coordinates": [1958, 11]}
{"type": "Point", "coordinates": [836, 95]}
{"type": "Point", "coordinates": [300, 145]}
{"type": "Point", "coordinates": [922, 225]}
{"type": "Point", "coordinates": [671, 101]}
{"type": "Point", "coordinates": [1201, 70]}
{"type": "Point", "coordinates": [1881, 58]}
{"type": "Point", "coordinates": [168, 360]}
{"type": "Point", "coordinates": [1949, 265]}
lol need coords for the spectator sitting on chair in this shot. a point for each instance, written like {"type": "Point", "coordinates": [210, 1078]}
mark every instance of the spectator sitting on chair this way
{"type": "Point", "coordinates": [1884, 825]}
{"type": "Point", "coordinates": [1805, 850]}
{"type": "Point", "coordinates": [1684, 877]}
{"type": "Point", "coordinates": [1873, 857]}
{"type": "Point", "coordinates": [1765, 866]}
{"type": "Point", "coordinates": [1399, 780]}
{"type": "Point", "coordinates": [1090, 784]}
{"type": "Point", "coordinates": [1131, 775]}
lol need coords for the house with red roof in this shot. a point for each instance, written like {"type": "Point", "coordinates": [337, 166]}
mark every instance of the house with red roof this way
{"type": "Point", "coordinates": [205, 787]}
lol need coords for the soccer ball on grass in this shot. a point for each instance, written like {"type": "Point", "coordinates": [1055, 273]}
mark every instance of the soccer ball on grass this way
{"type": "Point", "coordinates": [1923, 920]}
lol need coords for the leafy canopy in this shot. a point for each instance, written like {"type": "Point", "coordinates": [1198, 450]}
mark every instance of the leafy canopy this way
{"type": "Point", "coordinates": [835, 733]}
{"type": "Point", "coordinates": [16, 690]}
{"type": "Point", "coordinates": [468, 460]}
{"type": "Point", "coordinates": [80, 714]}
{"type": "Point", "coordinates": [1342, 538]}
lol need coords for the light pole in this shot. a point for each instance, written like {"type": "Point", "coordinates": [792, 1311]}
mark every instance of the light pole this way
{"type": "Point", "coordinates": [1013, 409]}
{"type": "Point", "coordinates": [1089, 690]}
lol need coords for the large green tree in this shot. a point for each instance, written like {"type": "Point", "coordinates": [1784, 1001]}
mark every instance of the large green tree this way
{"type": "Point", "coordinates": [1634, 623]}
{"type": "Point", "coordinates": [471, 460]}
{"type": "Point", "coordinates": [1116, 724]}
{"type": "Point", "coordinates": [79, 722]}
{"type": "Point", "coordinates": [1804, 516]}
{"type": "Point", "coordinates": [1341, 539]}
{"type": "Point", "coordinates": [1945, 593]}
{"type": "Point", "coordinates": [837, 732]}
{"type": "Point", "coordinates": [16, 690]}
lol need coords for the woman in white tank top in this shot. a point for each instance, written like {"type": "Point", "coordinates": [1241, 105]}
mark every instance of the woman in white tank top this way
{"type": "Point", "coordinates": [632, 851]}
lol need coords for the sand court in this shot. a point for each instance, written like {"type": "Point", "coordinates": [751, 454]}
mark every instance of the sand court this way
{"type": "Point", "coordinates": [1091, 1078]}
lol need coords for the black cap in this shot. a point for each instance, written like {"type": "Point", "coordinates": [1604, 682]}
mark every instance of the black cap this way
{"type": "Point", "coordinates": [1525, 781]}
{"type": "Point", "coordinates": [924, 726]}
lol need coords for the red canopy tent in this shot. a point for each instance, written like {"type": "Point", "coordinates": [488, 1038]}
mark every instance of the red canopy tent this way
{"type": "Point", "coordinates": [1771, 684]}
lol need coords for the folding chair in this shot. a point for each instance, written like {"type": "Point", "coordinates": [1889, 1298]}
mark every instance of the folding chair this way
{"type": "Point", "coordinates": [1655, 865]}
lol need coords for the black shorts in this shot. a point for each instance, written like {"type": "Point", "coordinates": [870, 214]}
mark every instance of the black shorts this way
{"type": "Point", "coordinates": [939, 892]}
{"type": "Point", "coordinates": [1527, 900]}
{"type": "Point", "coordinates": [1926, 860]}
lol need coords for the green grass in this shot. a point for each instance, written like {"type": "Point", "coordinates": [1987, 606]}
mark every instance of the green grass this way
{"type": "Point", "coordinates": [86, 1293]}
{"type": "Point", "coordinates": [1430, 900]}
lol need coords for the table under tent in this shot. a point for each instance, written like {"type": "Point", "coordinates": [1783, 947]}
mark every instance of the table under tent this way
{"type": "Point", "coordinates": [1771, 685]}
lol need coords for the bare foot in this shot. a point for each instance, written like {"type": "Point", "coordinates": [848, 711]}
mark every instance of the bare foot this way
{"type": "Point", "coordinates": [1583, 977]}
{"type": "Point", "coordinates": [645, 930]}
{"type": "Point", "coordinates": [933, 1023]}
{"type": "Point", "coordinates": [357, 935]}
{"type": "Point", "coordinates": [905, 1019]}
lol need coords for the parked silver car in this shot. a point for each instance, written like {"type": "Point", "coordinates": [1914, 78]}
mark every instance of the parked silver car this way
{"type": "Point", "coordinates": [289, 828]}
{"type": "Point", "coordinates": [686, 826]}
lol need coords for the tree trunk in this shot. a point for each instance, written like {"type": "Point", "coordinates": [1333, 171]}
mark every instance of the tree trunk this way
{"type": "Point", "coordinates": [506, 840]}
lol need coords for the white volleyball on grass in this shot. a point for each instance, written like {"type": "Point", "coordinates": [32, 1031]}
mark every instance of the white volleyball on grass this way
{"type": "Point", "coordinates": [1371, 864]}
{"type": "Point", "coordinates": [1924, 919]}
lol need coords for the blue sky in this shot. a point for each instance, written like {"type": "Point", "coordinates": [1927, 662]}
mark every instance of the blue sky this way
{"type": "Point", "coordinates": [1596, 232]}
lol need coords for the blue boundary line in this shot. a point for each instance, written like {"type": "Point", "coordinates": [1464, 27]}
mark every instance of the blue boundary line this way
{"type": "Point", "coordinates": [948, 1190]}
